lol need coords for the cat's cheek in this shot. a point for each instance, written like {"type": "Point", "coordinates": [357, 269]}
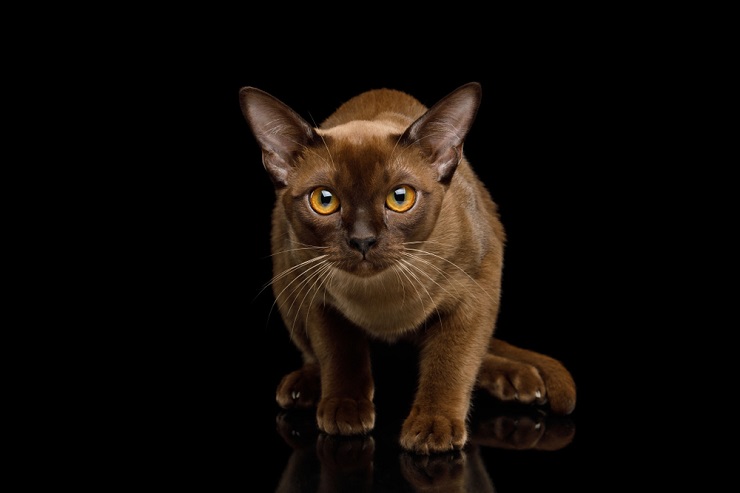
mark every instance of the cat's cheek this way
{"type": "Point", "coordinates": [415, 225]}
{"type": "Point", "coordinates": [314, 229]}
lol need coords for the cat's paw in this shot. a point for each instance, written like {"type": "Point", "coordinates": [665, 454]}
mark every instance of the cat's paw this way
{"type": "Point", "coordinates": [300, 389]}
{"type": "Point", "coordinates": [428, 433]}
{"type": "Point", "coordinates": [345, 416]}
{"type": "Point", "coordinates": [513, 381]}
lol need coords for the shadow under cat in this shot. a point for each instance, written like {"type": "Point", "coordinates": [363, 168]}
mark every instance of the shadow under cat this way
{"type": "Point", "coordinates": [375, 462]}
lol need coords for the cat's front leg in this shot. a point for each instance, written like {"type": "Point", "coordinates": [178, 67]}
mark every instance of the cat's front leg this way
{"type": "Point", "coordinates": [346, 405]}
{"type": "Point", "coordinates": [450, 354]}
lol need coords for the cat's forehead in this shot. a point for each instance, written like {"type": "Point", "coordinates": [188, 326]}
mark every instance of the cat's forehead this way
{"type": "Point", "coordinates": [359, 155]}
{"type": "Point", "coordinates": [366, 143]}
{"type": "Point", "coordinates": [361, 132]}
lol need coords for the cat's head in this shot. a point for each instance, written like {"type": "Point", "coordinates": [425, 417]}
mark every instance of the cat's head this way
{"type": "Point", "coordinates": [362, 191]}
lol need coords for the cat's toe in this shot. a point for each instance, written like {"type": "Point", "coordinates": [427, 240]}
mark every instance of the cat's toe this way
{"type": "Point", "coordinates": [530, 388]}
{"type": "Point", "coordinates": [345, 416]}
{"type": "Point", "coordinates": [520, 383]}
{"type": "Point", "coordinates": [428, 433]}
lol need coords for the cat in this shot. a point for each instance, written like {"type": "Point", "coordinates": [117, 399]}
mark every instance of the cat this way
{"type": "Point", "coordinates": [382, 231]}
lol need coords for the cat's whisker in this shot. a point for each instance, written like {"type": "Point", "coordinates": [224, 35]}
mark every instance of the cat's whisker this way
{"type": "Point", "coordinates": [408, 266]}
{"type": "Point", "coordinates": [321, 261]}
{"type": "Point", "coordinates": [329, 163]}
{"type": "Point", "coordinates": [396, 269]}
{"type": "Point", "coordinates": [305, 284]}
{"type": "Point", "coordinates": [457, 267]}
{"type": "Point", "coordinates": [326, 146]}
{"type": "Point", "coordinates": [404, 270]}
{"type": "Point", "coordinates": [428, 242]}
{"type": "Point", "coordinates": [288, 271]}
{"type": "Point", "coordinates": [393, 151]}
{"type": "Point", "coordinates": [288, 250]}
{"type": "Point", "coordinates": [280, 276]}
{"type": "Point", "coordinates": [328, 151]}
{"type": "Point", "coordinates": [307, 276]}
{"type": "Point", "coordinates": [321, 279]}
{"type": "Point", "coordinates": [440, 271]}
{"type": "Point", "coordinates": [330, 278]}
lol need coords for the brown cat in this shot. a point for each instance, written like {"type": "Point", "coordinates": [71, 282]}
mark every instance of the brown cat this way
{"type": "Point", "coordinates": [381, 229]}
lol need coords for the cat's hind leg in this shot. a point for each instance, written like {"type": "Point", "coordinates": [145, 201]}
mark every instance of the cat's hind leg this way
{"type": "Point", "coordinates": [510, 380]}
{"type": "Point", "coordinates": [510, 373]}
{"type": "Point", "coordinates": [300, 389]}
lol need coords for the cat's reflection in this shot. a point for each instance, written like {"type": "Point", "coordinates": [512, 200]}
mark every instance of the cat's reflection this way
{"type": "Point", "coordinates": [321, 463]}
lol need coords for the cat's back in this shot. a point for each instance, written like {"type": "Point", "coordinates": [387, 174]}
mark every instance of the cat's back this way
{"type": "Point", "coordinates": [377, 104]}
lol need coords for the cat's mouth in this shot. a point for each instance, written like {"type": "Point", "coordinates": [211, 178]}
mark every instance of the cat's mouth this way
{"type": "Point", "coordinates": [363, 267]}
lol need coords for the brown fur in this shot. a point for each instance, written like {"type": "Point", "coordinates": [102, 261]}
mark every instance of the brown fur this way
{"type": "Point", "coordinates": [431, 273]}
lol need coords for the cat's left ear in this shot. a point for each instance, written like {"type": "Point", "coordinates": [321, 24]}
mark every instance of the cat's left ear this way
{"type": "Point", "coordinates": [440, 132]}
{"type": "Point", "coordinates": [280, 131]}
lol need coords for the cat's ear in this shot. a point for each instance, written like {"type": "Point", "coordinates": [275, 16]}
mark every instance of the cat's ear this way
{"type": "Point", "coordinates": [279, 130]}
{"type": "Point", "coordinates": [440, 132]}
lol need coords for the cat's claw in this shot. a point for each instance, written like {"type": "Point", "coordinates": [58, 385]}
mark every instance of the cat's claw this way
{"type": "Point", "coordinates": [432, 433]}
{"type": "Point", "coordinates": [513, 381]}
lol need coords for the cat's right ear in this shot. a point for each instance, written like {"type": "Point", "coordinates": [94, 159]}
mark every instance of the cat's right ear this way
{"type": "Point", "coordinates": [281, 132]}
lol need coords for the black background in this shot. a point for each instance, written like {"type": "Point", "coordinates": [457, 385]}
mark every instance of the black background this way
{"type": "Point", "coordinates": [551, 144]}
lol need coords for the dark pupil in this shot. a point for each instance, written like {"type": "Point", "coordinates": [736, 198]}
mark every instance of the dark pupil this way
{"type": "Point", "coordinates": [325, 197]}
{"type": "Point", "coordinates": [400, 195]}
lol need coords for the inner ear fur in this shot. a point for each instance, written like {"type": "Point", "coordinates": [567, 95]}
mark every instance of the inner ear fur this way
{"type": "Point", "coordinates": [441, 131]}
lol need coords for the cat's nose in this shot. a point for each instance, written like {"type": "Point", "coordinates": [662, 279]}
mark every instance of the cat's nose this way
{"type": "Point", "coordinates": [362, 244]}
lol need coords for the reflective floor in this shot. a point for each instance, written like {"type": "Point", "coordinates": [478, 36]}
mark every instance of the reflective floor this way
{"type": "Point", "coordinates": [510, 449]}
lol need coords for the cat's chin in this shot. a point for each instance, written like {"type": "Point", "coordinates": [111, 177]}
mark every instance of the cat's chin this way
{"type": "Point", "coordinates": [364, 268]}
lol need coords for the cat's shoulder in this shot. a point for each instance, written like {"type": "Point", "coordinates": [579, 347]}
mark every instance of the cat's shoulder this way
{"type": "Point", "coordinates": [370, 104]}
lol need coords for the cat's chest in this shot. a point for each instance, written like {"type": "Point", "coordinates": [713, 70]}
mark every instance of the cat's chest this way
{"type": "Point", "coordinates": [386, 305]}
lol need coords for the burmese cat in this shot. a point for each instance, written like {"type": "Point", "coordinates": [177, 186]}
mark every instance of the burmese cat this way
{"type": "Point", "coordinates": [381, 229]}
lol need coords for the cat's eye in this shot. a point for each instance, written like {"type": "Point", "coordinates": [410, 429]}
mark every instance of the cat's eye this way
{"type": "Point", "coordinates": [323, 201]}
{"type": "Point", "coordinates": [401, 198]}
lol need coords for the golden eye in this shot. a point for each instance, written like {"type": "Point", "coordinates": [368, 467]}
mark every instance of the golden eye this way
{"type": "Point", "coordinates": [401, 198]}
{"type": "Point", "coordinates": [323, 201]}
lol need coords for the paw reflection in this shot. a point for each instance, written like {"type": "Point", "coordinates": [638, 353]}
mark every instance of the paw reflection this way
{"type": "Point", "coordinates": [438, 472]}
{"type": "Point", "coordinates": [523, 430]}
{"type": "Point", "coordinates": [345, 454]}
{"type": "Point", "coordinates": [298, 428]}
{"type": "Point", "coordinates": [327, 463]}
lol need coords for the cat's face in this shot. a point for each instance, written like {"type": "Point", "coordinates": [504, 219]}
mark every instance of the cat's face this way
{"type": "Point", "coordinates": [362, 191]}
{"type": "Point", "coordinates": [359, 195]}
